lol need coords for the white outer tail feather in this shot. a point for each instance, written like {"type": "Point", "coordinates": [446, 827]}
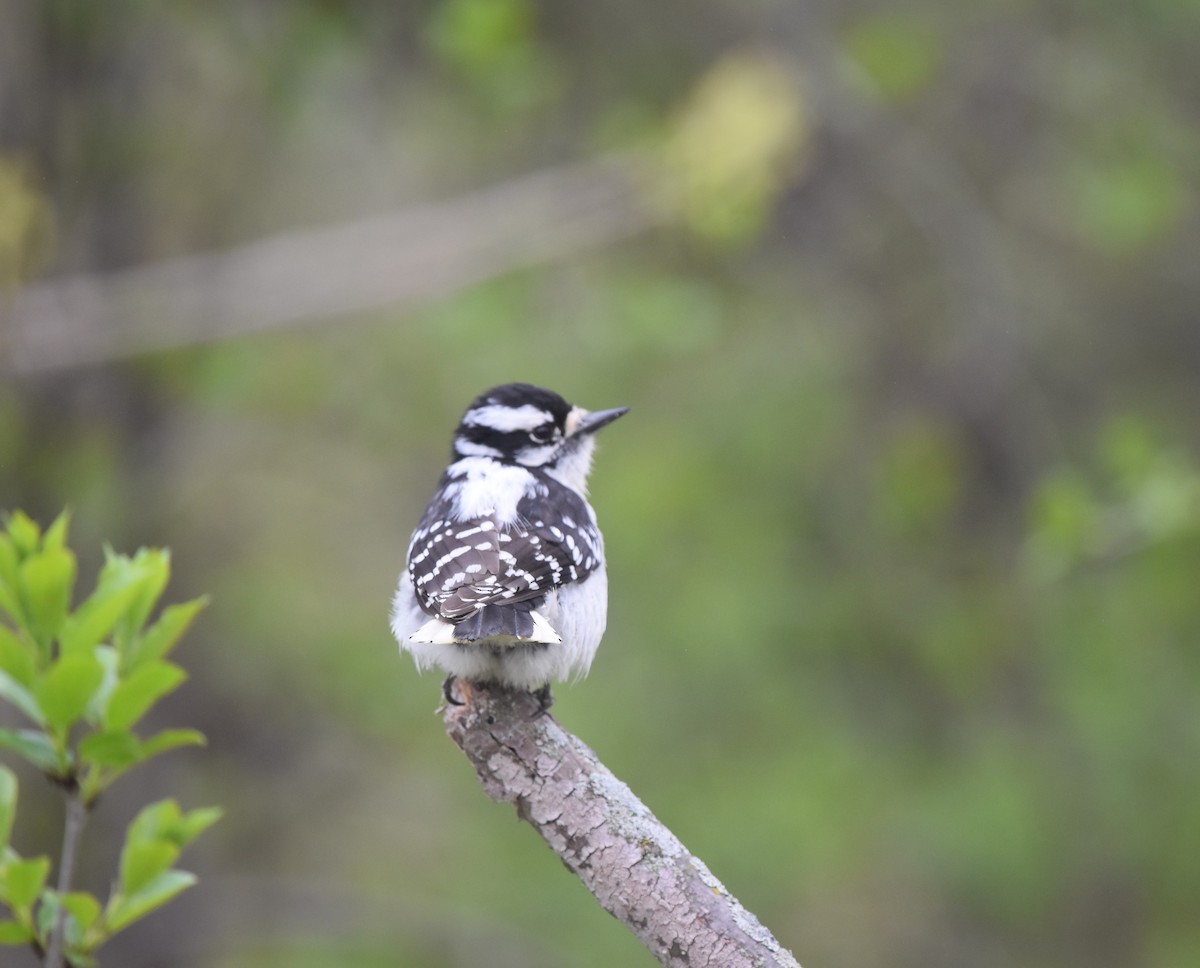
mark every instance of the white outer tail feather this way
{"type": "Point", "coordinates": [440, 632]}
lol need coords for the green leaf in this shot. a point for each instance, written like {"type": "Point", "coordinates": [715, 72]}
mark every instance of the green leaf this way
{"type": "Point", "coordinates": [83, 907]}
{"type": "Point", "coordinates": [21, 697]}
{"type": "Point", "coordinates": [46, 581]}
{"type": "Point", "coordinates": [133, 697]}
{"type": "Point", "coordinates": [154, 567]}
{"type": "Point", "coordinates": [64, 692]}
{"type": "Point", "coordinates": [17, 658]}
{"type": "Point", "coordinates": [195, 822]}
{"type": "Point", "coordinates": [161, 637]}
{"type": "Point", "coordinates": [24, 532]}
{"type": "Point", "coordinates": [36, 747]}
{"type": "Point", "coordinates": [142, 861]}
{"type": "Point", "coordinates": [10, 600]}
{"type": "Point", "coordinates": [153, 821]}
{"type": "Point", "coordinates": [112, 753]}
{"type": "Point", "coordinates": [52, 903]}
{"type": "Point", "coordinates": [124, 909]}
{"type": "Point", "coordinates": [164, 822]}
{"type": "Point", "coordinates": [14, 932]}
{"type": "Point", "coordinates": [109, 660]}
{"type": "Point", "coordinates": [8, 803]}
{"type": "Point", "coordinates": [55, 538]}
{"type": "Point", "coordinates": [119, 585]}
{"type": "Point", "coordinates": [149, 848]}
{"type": "Point", "coordinates": [21, 881]}
{"type": "Point", "coordinates": [170, 739]}
{"type": "Point", "coordinates": [116, 748]}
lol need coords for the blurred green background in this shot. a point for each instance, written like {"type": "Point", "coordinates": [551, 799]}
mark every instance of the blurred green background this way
{"type": "Point", "coordinates": [903, 529]}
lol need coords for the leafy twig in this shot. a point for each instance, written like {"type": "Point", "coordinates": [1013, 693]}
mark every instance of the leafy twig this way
{"type": "Point", "coordinates": [84, 678]}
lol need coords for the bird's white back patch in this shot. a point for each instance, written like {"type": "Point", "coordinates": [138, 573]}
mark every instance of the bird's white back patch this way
{"type": "Point", "coordinates": [483, 487]}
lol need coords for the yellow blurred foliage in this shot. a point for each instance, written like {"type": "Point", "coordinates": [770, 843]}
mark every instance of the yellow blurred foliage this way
{"type": "Point", "coordinates": [25, 225]}
{"type": "Point", "coordinates": [734, 147]}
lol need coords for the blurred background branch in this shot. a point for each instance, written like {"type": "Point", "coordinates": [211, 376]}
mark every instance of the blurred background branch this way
{"type": "Point", "coordinates": [401, 259]}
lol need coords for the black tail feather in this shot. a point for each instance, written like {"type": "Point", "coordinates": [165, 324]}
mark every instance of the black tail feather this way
{"type": "Point", "coordinates": [495, 620]}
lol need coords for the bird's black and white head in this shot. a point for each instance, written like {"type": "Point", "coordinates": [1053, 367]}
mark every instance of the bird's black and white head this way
{"type": "Point", "coordinates": [524, 425]}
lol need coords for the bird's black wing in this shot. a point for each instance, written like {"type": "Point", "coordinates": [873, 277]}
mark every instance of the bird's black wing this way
{"type": "Point", "coordinates": [460, 567]}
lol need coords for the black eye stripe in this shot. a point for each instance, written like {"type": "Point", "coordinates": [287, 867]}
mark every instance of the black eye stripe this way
{"type": "Point", "coordinates": [505, 441]}
{"type": "Point", "coordinates": [508, 441]}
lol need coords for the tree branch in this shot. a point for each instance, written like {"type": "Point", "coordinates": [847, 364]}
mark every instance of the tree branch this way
{"type": "Point", "coordinates": [72, 829]}
{"type": "Point", "coordinates": [633, 865]}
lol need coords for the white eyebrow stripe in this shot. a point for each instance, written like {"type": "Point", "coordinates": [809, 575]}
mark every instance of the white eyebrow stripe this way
{"type": "Point", "coordinates": [506, 419]}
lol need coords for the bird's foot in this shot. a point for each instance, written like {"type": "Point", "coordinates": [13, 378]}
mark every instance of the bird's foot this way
{"type": "Point", "coordinates": [464, 690]}
{"type": "Point", "coordinates": [544, 699]}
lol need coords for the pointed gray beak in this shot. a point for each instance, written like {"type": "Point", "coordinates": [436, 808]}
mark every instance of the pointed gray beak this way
{"type": "Point", "coordinates": [591, 422]}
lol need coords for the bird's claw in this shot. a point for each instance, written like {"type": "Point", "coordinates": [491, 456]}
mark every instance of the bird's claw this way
{"type": "Point", "coordinates": [544, 699]}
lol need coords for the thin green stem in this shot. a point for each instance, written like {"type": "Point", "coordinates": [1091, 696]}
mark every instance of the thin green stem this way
{"type": "Point", "coordinates": [72, 830]}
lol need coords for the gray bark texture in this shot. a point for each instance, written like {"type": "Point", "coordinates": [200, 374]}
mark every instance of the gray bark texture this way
{"type": "Point", "coordinates": [633, 865]}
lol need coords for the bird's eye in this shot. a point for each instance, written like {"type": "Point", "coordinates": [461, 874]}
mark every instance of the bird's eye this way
{"type": "Point", "coordinates": [543, 434]}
